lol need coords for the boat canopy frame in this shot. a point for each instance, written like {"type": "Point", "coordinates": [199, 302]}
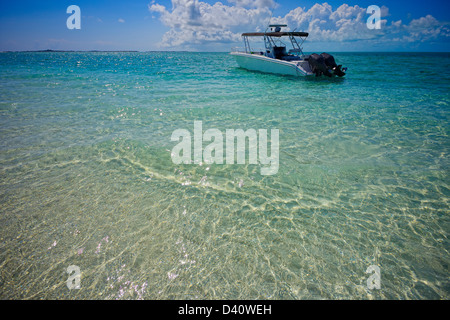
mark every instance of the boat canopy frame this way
{"type": "Point", "coordinates": [269, 41]}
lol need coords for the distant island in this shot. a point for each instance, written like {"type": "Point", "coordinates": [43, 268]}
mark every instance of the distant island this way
{"type": "Point", "coordinates": [50, 50]}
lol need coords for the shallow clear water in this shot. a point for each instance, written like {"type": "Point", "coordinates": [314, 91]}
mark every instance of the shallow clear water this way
{"type": "Point", "coordinates": [86, 179]}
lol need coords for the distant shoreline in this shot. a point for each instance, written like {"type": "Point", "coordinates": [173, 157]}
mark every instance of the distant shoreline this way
{"type": "Point", "coordinates": [137, 51]}
{"type": "Point", "coordinates": [49, 50]}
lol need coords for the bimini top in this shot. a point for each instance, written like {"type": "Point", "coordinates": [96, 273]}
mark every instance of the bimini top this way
{"type": "Point", "coordinates": [275, 34]}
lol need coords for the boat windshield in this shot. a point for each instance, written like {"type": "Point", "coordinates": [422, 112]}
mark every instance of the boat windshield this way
{"type": "Point", "coordinates": [274, 47]}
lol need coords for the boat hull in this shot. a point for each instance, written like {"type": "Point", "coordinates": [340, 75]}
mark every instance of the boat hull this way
{"type": "Point", "coordinates": [262, 63]}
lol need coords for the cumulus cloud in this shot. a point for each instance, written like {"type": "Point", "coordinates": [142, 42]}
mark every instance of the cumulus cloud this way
{"type": "Point", "coordinates": [194, 22]}
{"type": "Point", "coordinates": [420, 30]}
{"type": "Point", "coordinates": [346, 23]}
{"type": "Point", "coordinates": [255, 3]}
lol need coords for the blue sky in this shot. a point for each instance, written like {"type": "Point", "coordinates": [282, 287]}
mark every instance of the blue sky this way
{"type": "Point", "coordinates": [209, 25]}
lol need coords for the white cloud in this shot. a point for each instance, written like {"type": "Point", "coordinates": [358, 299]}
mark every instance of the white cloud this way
{"type": "Point", "coordinates": [346, 23]}
{"type": "Point", "coordinates": [255, 3]}
{"type": "Point", "coordinates": [426, 22]}
{"type": "Point", "coordinates": [193, 22]}
{"type": "Point", "coordinates": [196, 22]}
{"type": "Point", "coordinates": [121, 20]}
{"type": "Point", "coordinates": [423, 29]}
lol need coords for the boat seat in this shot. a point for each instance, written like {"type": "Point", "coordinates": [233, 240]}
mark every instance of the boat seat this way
{"type": "Point", "coordinates": [279, 52]}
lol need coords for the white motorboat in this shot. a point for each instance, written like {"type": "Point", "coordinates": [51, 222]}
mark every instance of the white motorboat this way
{"type": "Point", "coordinates": [276, 59]}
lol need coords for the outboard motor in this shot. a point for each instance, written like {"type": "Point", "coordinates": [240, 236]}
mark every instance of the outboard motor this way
{"type": "Point", "coordinates": [331, 64]}
{"type": "Point", "coordinates": [318, 66]}
{"type": "Point", "coordinates": [278, 52]}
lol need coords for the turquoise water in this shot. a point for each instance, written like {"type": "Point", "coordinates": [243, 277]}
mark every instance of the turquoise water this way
{"type": "Point", "coordinates": [86, 179]}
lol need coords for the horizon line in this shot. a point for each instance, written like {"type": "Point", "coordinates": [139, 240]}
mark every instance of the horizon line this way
{"type": "Point", "coordinates": [192, 51]}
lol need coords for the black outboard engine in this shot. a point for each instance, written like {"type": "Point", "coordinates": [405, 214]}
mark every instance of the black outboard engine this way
{"type": "Point", "coordinates": [318, 66]}
{"type": "Point", "coordinates": [321, 64]}
{"type": "Point", "coordinates": [331, 64]}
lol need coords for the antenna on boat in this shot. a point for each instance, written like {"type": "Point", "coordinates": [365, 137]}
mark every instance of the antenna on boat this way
{"type": "Point", "coordinates": [270, 18]}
